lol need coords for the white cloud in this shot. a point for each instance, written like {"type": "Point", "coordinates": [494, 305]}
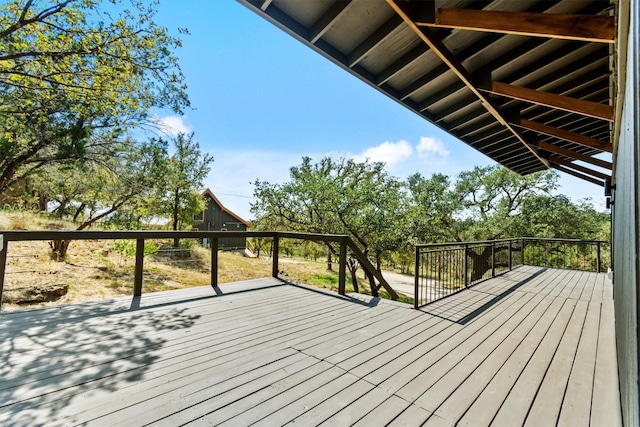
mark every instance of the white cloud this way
{"type": "Point", "coordinates": [173, 125]}
{"type": "Point", "coordinates": [387, 152]}
{"type": "Point", "coordinates": [431, 146]}
{"type": "Point", "coordinates": [233, 173]}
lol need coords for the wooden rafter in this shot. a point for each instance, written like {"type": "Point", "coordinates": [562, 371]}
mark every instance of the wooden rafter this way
{"type": "Point", "coordinates": [403, 9]}
{"type": "Point", "coordinates": [325, 22]}
{"type": "Point", "coordinates": [559, 161]}
{"type": "Point", "coordinates": [571, 27]}
{"type": "Point", "coordinates": [374, 40]}
{"type": "Point", "coordinates": [576, 138]}
{"type": "Point", "coordinates": [578, 174]}
{"type": "Point", "coordinates": [265, 4]}
{"type": "Point", "coordinates": [574, 155]}
{"type": "Point", "coordinates": [561, 102]}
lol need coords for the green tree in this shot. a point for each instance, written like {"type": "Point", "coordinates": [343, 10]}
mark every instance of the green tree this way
{"type": "Point", "coordinates": [558, 217]}
{"type": "Point", "coordinates": [177, 194]}
{"type": "Point", "coordinates": [74, 77]}
{"type": "Point", "coordinates": [492, 198]}
{"type": "Point", "coordinates": [100, 189]}
{"type": "Point", "coordinates": [336, 197]}
{"type": "Point", "coordinates": [433, 208]}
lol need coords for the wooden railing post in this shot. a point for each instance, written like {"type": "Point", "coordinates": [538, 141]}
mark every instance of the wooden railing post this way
{"type": "Point", "coordinates": [342, 267]}
{"type": "Point", "coordinates": [274, 256]}
{"type": "Point", "coordinates": [4, 246]}
{"type": "Point", "coordinates": [214, 261]}
{"type": "Point", "coordinates": [599, 266]}
{"type": "Point", "coordinates": [522, 248]}
{"type": "Point", "coordinates": [137, 284]}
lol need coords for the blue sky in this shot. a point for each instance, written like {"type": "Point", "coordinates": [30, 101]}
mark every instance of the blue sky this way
{"type": "Point", "coordinates": [261, 101]}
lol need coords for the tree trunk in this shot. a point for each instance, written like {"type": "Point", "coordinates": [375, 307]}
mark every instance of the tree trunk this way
{"type": "Point", "coordinates": [479, 262]}
{"type": "Point", "coordinates": [372, 284]}
{"type": "Point", "coordinates": [78, 212]}
{"type": "Point", "coordinates": [59, 249]}
{"type": "Point", "coordinates": [354, 281]}
{"type": "Point", "coordinates": [329, 261]}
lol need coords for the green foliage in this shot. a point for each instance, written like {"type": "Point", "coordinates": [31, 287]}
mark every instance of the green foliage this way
{"type": "Point", "coordinates": [177, 193]}
{"type": "Point", "coordinates": [336, 197]}
{"type": "Point", "coordinates": [387, 217]}
{"type": "Point", "coordinates": [128, 247]}
{"type": "Point", "coordinates": [74, 77]}
{"type": "Point", "coordinates": [322, 279]}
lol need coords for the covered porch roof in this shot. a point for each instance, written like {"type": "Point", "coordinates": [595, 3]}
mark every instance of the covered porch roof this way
{"type": "Point", "coordinates": [531, 84]}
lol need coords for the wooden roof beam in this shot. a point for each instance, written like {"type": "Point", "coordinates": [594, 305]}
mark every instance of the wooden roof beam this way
{"type": "Point", "coordinates": [574, 155]}
{"type": "Point", "coordinates": [404, 10]}
{"type": "Point", "coordinates": [325, 22]}
{"type": "Point", "coordinates": [561, 102]}
{"type": "Point", "coordinates": [559, 161]}
{"type": "Point", "coordinates": [578, 174]}
{"type": "Point", "coordinates": [565, 135]}
{"type": "Point", "coordinates": [589, 28]}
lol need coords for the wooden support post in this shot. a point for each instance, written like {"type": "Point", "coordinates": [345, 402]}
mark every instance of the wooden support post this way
{"type": "Point", "coordinates": [214, 261]}
{"type": "Point", "coordinates": [274, 256]}
{"type": "Point", "coordinates": [599, 267]}
{"type": "Point", "coordinates": [4, 246]}
{"type": "Point", "coordinates": [342, 268]}
{"type": "Point", "coordinates": [137, 284]}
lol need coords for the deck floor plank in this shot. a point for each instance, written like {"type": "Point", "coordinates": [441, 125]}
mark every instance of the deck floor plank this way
{"type": "Point", "coordinates": [404, 375]}
{"type": "Point", "coordinates": [605, 406]}
{"type": "Point", "coordinates": [576, 406]}
{"type": "Point", "coordinates": [545, 409]}
{"type": "Point", "coordinates": [435, 385]}
{"type": "Point", "coordinates": [516, 345]}
{"type": "Point", "coordinates": [534, 345]}
{"type": "Point", "coordinates": [488, 401]}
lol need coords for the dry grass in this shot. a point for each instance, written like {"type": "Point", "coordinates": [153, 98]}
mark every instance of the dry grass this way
{"type": "Point", "coordinates": [95, 270]}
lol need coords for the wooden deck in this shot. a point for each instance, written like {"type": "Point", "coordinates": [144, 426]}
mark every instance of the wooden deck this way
{"type": "Point", "coordinates": [532, 347]}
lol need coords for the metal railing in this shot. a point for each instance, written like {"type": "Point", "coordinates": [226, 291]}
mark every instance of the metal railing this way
{"type": "Point", "coordinates": [345, 243]}
{"type": "Point", "coordinates": [443, 269]}
{"type": "Point", "coordinates": [571, 254]}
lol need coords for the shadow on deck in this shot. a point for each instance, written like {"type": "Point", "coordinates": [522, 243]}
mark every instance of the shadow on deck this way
{"type": "Point", "coordinates": [533, 346]}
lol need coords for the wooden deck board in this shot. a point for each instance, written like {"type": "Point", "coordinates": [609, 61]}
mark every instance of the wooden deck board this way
{"type": "Point", "coordinates": [533, 346]}
{"type": "Point", "coordinates": [551, 394]}
{"type": "Point", "coordinates": [531, 329]}
{"type": "Point", "coordinates": [486, 404]}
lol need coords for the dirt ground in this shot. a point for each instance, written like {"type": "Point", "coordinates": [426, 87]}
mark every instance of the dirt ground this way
{"type": "Point", "coordinates": [95, 270]}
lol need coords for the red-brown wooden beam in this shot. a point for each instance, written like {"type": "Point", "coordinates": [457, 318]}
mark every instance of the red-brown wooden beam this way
{"type": "Point", "coordinates": [566, 135]}
{"type": "Point", "coordinates": [559, 161]}
{"type": "Point", "coordinates": [574, 155]}
{"type": "Point", "coordinates": [561, 102]}
{"type": "Point", "coordinates": [590, 28]}
{"type": "Point", "coordinates": [578, 175]}
{"type": "Point", "coordinates": [404, 10]}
